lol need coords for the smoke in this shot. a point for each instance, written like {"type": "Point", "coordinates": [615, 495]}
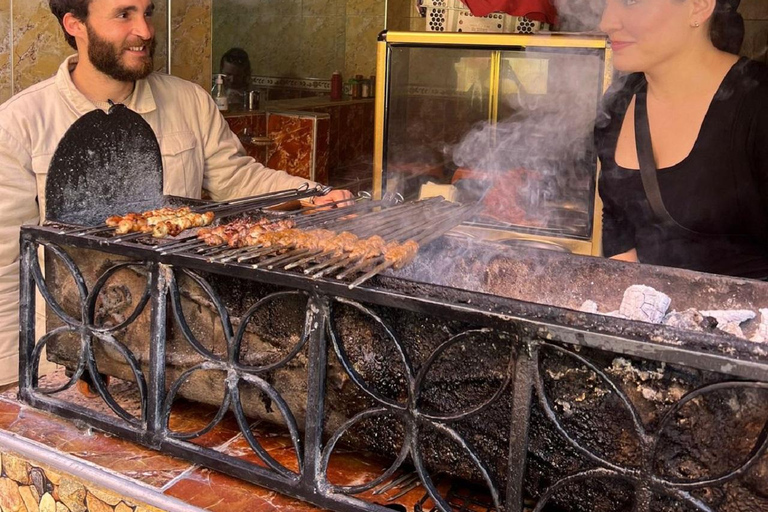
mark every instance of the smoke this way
{"type": "Point", "coordinates": [538, 162]}
{"type": "Point", "coordinates": [579, 15]}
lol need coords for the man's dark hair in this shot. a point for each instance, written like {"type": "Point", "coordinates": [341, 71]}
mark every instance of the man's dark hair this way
{"type": "Point", "coordinates": [78, 8]}
{"type": "Point", "coordinates": [727, 26]}
{"type": "Point", "coordinates": [239, 58]}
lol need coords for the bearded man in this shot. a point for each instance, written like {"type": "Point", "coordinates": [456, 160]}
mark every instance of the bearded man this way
{"type": "Point", "coordinates": [115, 43]}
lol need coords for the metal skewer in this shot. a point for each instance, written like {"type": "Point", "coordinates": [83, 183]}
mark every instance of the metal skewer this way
{"type": "Point", "coordinates": [426, 238]}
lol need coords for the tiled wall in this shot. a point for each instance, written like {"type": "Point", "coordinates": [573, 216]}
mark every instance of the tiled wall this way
{"type": "Point", "coordinates": [300, 38]}
{"type": "Point", "coordinates": [5, 50]}
{"type": "Point", "coordinates": [365, 20]}
{"type": "Point", "coordinates": [755, 13]}
{"type": "Point", "coordinates": [402, 15]}
{"type": "Point", "coordinates": [191, 29]}
{"type": "Point", "coordinates": [32, 45]}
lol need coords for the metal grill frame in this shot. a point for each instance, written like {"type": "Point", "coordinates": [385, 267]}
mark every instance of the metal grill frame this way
{"type": "Point", "coordinates": [529, 339]}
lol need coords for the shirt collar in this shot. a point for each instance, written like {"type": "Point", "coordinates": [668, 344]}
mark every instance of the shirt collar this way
{"type": "Point", "coordinates": [141, 101]}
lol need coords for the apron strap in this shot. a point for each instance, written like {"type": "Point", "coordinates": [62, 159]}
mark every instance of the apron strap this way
{"type": "Point", "coordinates": [648, 169]}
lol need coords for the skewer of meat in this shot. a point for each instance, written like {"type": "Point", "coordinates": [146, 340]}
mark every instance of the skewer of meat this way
{"type": "Point", "coordinates": [161, 222]}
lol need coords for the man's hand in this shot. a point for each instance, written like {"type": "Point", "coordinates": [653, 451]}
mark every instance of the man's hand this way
{"type": "Point", "coordinates": [334, 196]}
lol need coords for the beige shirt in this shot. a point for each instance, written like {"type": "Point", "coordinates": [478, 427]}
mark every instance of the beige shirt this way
{"type": "Point", "coordinates": [198, 149]}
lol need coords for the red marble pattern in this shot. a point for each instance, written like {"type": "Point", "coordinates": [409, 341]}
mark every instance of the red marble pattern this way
{"type": "Point", "coordinates": [148, 466]}
{"type": "Point", "coordinates": [254, 123]}
{"type": "Point", "coordinates": [221, 493]}
{"type": "Point", "coordinates": [294, 143]}
{"type": "Point", "coordinates": [351, 138]}
{"type": "Point", "coordinates": [322, 149]}
{"type": "Point", "coordinates": [197, 486]}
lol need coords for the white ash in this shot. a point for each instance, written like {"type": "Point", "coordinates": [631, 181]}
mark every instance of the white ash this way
{"type": "Point", "coordinates": [761, 335]}
{"type": "Point", "coordinates": [589, 306]}
{"type": "Point", "coordinates": [624, 368]}
{"type": "Point", "coordinates": [645, 304]}
{"type": "Point", "coordinates": [732, 328]}
{"type": "Point", "coordinates": [727, 316]}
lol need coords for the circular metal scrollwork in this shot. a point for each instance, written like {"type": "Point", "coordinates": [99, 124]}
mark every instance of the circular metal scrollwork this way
{"type": "Point", "coordinates": [408, 412]}
{"type": "Point", "coordinates": [235, 373]}
{"type": "Point", "coordinates": [643, 481]}
{"type": "Point", "coordinates": [88, 332]}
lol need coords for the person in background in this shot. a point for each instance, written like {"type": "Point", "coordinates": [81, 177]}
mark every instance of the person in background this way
{"type": "Point", "coordinates": [705, 161]}
{"type": "Point", "coordinates": [115, 44]}
{"type": "Point", "coordinates": [236, 68]}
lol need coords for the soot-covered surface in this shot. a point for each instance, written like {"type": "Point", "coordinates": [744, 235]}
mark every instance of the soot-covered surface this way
{"type": "Point", "coordinates": [565, 280]}
{"type": "Point", "coordinates": [691, 448]}
{"type": "Point", "coordinates": [105, 164]}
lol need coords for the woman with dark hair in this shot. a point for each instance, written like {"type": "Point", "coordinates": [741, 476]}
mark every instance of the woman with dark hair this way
{"type": "Point", "coordinates": [683, 139]}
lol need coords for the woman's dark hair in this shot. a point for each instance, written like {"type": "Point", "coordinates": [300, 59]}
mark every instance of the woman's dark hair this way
{"type": "Point", "coordinates": [78, 8]}
{"type": "Point", "coordinates": [727, 26]}
{"type": "Point", "coordinates": [239, 58]}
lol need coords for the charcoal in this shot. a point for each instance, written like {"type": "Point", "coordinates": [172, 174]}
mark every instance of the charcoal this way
{"type": "Point", "coordinates": [645, 304]}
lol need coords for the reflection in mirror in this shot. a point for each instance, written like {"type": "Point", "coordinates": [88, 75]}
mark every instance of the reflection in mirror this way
{"type": "Point", "coordinates": [280, 58]}
{"type": "Point", "coordinates": [294, 46]}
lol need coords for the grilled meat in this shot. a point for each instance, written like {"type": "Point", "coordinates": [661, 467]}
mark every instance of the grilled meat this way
{"type": "Point", "coordinates": [242, 232]}
{"type": "Point", "coordinates": [401, 254]}
{"type": "Point", "coordinates": [161, 222]}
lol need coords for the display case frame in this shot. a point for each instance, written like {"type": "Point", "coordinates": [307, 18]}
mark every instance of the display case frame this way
{"type": "Point", "coordinates": [498, 44]}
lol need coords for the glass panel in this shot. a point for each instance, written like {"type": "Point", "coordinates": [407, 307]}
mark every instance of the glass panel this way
{"type": "Point", "coordinates": [435, 96]}
{"type": "Point", "coordinates": [534, 170]}
{"type": "Point", "coordinates": [541, 168]}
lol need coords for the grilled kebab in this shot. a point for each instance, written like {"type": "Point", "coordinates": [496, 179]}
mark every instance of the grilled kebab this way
{"type": "Point", "coordinates": [282, 234]}
{"type": "Point", "coordinates": [161, 222]}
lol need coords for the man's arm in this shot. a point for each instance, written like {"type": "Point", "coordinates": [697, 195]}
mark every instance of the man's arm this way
{"type": "Point", "coordinates": [18, 194]}
{"type": "Point", "coordinates": [228, 171]}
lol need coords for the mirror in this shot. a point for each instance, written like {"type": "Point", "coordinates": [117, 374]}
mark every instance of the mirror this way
{"type": "Point", "coordinates": [294, 46]}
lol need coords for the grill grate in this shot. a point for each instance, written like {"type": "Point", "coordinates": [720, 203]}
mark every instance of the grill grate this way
{"type": "Point", "coordinates": [378, 236]}
{"type": "Point", "coordinates": [352, 244]}
{"type": "Point", "coordinates": [221, 209]}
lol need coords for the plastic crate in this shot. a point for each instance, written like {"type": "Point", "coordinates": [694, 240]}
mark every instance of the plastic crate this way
{"type": "Point", "coordinates": [454, 16]}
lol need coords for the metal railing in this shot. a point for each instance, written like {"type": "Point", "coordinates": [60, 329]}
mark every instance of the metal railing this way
{"type": "Point", "coordinates": [522, 346]}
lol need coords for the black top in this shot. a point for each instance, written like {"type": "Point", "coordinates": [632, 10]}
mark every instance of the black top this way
{"type": "Point", "coordinates": [720, 191]}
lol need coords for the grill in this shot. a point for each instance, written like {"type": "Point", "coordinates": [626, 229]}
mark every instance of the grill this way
{"type": "Point", "coordinates": [470, 363]}
{"type": "Point", "coordinates": [421, 222]}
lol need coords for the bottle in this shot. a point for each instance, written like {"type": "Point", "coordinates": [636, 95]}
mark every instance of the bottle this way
{"type": "Point", "coordinates": [365, 89]}
{"type": "Point", "coordinates": [253, 100]}
{"type": "Point", "coordinates": [219, 94]}
{"type": "Point", "coordinates": [357, 87]}
{"type": "Point", "coordinates": [336, 86]}
{"type": "Point", "coordinates": [372, 92]}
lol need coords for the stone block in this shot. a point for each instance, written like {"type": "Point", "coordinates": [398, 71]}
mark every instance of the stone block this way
{"type": "Point", "coordinates": [47, 503]}
{"type": "Point", "coordinates": [28, 496]}
{"type": "Point", "coordinates": [10, 499]}
{"type": "Point", "coordinates": [96, 505]}
{"type": "Point", "coordinates": [72, 494]}
{"type": "Point", "coordinates": [17, 469]}
{"type": "Point", "coordinates": [109, 498]}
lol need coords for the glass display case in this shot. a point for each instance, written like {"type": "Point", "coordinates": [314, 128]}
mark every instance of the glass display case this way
{"type": "Point", "coordinates": [503, 120]}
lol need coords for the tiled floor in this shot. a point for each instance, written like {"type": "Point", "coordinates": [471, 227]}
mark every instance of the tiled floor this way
{"type": "Point", "coordinates": [180, 479]}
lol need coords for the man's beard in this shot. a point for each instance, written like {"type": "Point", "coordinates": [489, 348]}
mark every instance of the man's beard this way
{"type": "Point", "coordinates": [107, 58]}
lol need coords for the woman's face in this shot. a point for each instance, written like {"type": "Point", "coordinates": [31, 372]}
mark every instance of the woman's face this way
{"type": "Point", "coordinates": [645, 33]}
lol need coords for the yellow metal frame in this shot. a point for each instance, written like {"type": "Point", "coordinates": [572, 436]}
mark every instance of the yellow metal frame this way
{"type": "Point", "coordinates": [497, 43]}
